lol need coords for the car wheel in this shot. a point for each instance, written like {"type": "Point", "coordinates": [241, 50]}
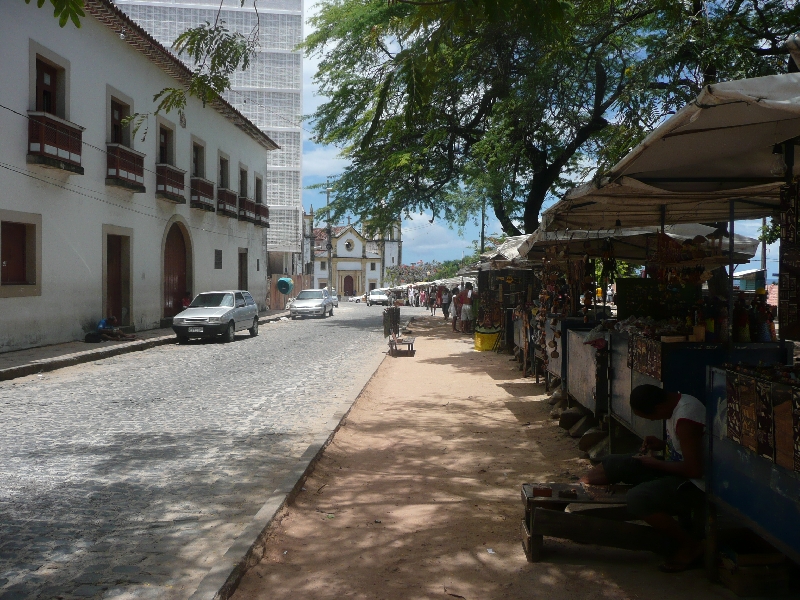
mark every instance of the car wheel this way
{"type": "Point", "coordinates": [254, 329]}
{"type": "Point", "coordinates": [230, 333]}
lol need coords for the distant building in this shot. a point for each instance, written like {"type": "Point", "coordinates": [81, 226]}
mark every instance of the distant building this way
{"type": "Point", "coordinates": [95, 221]}
{"type": "Point", "coordinates": [269, 93]}
{"type": "Point", "coordinates": [359, 263]}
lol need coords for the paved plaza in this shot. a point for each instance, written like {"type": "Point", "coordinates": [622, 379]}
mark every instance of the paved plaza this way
{"type": "Point", "coordinates": [129, 477]}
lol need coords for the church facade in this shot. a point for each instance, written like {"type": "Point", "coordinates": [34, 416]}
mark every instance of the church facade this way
{"type": "Point", "coordinates": [358, 263]}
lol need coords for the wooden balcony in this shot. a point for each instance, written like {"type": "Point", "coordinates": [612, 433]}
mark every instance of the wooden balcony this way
{"type": "Point", "coordinates": [201, 194]}
{"type": "Point", "coordinates": [169, 183]}
{"type": "Point", "coordinates": [247, 210]}
{"type": "Point", "coordinates": [262, 215]}
{"type": "Point", "coordinates": [54, 142]}
{"type": "Point", "coordinates": [125, 168]}
{"type": "Point", "coordinates": [226, 203]}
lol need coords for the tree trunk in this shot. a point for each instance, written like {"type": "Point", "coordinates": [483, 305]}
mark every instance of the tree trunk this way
{"type": "Point", "coordinates": [502, 215]}
{"type": "Point", "coordinates": [534, 201]}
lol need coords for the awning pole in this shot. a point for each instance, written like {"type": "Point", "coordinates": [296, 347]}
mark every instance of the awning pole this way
{"type": "Point", "coordinates": [663, 217]}
{"type": "Point", "coordinates": [730, 274]}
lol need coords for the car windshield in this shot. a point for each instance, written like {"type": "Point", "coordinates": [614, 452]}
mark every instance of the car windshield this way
{"type": "Point", "coordinates": [376, 293]}
{"type": "Point", "coordinates": [212, 300]}
{"type": "Point", "coordinates": [310, 295]}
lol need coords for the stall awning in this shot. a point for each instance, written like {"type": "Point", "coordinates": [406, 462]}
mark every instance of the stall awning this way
{"type": "Point", "coordinates": [717, 149]}
{"type": "Point", "coordinates": [509, 249]}
{"type": "Point", "coordinates": [633, 243]}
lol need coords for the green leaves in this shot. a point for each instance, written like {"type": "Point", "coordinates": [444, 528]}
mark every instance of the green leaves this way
{"type": "Point", "coordinates": [65, 10]}
{"type": "Point", "coordinates": [440, 108]}
{"type": "Point", "coordinates": [217, 54]}
{"type": "Point", "coordinates": [216, 51]}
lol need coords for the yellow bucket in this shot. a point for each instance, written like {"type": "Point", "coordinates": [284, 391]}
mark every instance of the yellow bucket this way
{"type": "Point", "coordinates": [485, 341]}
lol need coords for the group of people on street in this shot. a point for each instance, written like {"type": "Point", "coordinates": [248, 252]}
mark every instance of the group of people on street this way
{"type": "Point", "coordinates": [462, 308]}
{"type": "Point", "coordinates": [456, 303]}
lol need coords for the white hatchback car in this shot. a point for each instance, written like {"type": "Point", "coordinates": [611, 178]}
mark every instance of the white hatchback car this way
{"type": "Point", "coordinates": [213, 314]}
{"type": "Point", "coordinates": [377, 297]}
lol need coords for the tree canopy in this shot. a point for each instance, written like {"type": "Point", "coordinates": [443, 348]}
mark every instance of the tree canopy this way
{"type": "Point", "coordinates": [440, 105]}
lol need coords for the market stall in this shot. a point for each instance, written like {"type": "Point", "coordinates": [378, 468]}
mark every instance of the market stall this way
{"type": "Point", "coordinates": [729, 155]}
{"type": "Point", "coordinates": [508, 290]}
{"type": "Point", "coordinates": [753, 454]}
{"type": "Point", "coordinates": [677, 260]}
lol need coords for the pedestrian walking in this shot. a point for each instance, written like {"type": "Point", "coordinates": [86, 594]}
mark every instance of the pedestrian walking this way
{"type": "Point", "coordinates": [456, 307]}
{"type": "Point", "coordinates": [432, 301]}
{"type": "Point", "coordinates": [466, 309]}
{"type": "Point", "coordinates": [446, 303]}
{"type": "Point", "coordinates": [423, 297]}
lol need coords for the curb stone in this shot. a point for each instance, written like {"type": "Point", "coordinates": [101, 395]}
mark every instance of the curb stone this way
{"type": "Point", "coordinates": [248, 548]}
{"type": "Point", "coordinates": [85, 356]}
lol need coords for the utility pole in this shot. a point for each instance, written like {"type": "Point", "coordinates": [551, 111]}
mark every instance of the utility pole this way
{"type": "Point", "coordinates": [764, 245]}
{"type": "Point", "coordinates": [330, 237]}
{"type": "Point", "coordinates": [483, 226]}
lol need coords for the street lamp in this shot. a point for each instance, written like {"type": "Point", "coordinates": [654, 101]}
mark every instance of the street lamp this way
{"type": "Point", "coordinates": [328, 190]}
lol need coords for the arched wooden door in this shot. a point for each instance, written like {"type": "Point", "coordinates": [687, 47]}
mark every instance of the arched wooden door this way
{"type": "Point", "coordinates": [348, 286]}
{"type": "Point", "coordinates": [174, 271]}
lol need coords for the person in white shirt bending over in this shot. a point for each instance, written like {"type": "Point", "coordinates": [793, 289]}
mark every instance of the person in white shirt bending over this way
{"type": "Point", "coordinates": [663, 488]}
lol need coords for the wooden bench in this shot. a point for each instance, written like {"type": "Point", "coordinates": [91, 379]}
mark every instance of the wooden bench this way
{"type": "Point", "coordinates": [596, 515]}
{"type": "Point", "coordinates": [395, 341]}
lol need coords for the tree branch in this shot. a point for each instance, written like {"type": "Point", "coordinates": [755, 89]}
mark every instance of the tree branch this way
{"type": "Point", "coordinates": [502, 215]}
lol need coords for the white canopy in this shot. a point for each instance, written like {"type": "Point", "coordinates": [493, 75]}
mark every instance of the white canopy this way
{"type": "Point", "coordinates": [509, 249]}
{"type": "Point", "coordinates": [633, 243]}
{"type": "Point", "coordinates": [717, 149]}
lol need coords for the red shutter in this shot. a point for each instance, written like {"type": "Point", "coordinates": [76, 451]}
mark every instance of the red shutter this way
{"type": "Point", "coordinates": [174, 272]}
{"type": "Point", "coordinates": [114, 277]}
{"type": "Point", "coordinates": [13, 237]}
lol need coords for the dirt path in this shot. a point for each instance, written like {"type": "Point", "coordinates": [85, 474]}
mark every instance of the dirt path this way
{"type": "Point", "coordinates": [418, 495]}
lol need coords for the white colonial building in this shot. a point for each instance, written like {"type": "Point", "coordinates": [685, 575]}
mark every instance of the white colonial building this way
{"type": "Point", "coordinates": [95, 221]}
{"type": "Point", "coordinates": [358, 262]}
{"type": "Point", "coordinates": [269, 92]}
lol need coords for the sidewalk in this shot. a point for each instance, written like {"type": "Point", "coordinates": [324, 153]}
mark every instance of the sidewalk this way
{"type": "Point", "coordinates": [21, 363]}
{"type": "Point", "coordinates": [418, 495]}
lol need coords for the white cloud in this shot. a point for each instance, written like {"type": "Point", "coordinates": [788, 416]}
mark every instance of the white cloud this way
{"type": "Point", "coordinates": [321, 161]}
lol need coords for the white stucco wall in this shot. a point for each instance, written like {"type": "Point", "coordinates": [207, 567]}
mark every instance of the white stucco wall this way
{"type": "Point", "coordinates": [75, 208]}
{"type": "Point", "coordinates": [358, 245]}
{"type": "Point", "coordinates": [391, 252]}
{"type": "Point", "coordinates": [319, 274]}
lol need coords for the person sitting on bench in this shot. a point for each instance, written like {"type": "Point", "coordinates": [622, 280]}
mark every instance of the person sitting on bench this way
{"type": "Point", "coordinates": [663, 488]}
{"type": "Point", "coordinates": [108, 330]}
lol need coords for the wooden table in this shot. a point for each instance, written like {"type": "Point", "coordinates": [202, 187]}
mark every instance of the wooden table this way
{"type": "Point", "coordinates": [597, 515]}
{"type": "Point", "coordinates": [408, 342]}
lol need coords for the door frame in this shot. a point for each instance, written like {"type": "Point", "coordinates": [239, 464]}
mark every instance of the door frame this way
{"type": "Point", "coordinates": [125, 233]}
{"type": "Point", "coordinates": [187, 239]}
{"type": "Point", "coordinates": [352, 286]}
{"type": "Point", "coordinates": [246, 269]}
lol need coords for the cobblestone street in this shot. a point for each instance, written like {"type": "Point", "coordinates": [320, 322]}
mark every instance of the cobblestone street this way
{"type": "Point", "coordinates": [131, 476]}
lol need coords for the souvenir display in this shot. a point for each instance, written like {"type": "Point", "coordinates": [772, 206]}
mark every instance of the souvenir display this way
{"type": "Point", "coordinates": [763, 411]}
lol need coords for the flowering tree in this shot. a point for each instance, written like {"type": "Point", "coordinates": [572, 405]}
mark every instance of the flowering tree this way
{"type": "Point", "coordinates": [418, 271]}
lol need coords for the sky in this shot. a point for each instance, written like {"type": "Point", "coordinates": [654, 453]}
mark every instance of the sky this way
{"type": "Point", "coordinates": [423, 240]}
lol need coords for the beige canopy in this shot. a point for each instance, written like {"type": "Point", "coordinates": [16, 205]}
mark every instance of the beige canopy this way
{"type": "Point", "coordinates": [634, 244]}
{"type": "Point", "coordinates": [717, 149]}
